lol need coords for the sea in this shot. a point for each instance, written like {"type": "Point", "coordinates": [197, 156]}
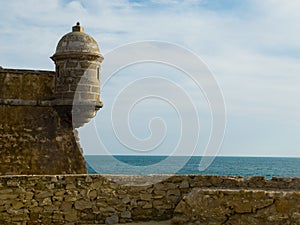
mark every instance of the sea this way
{"type": "Point", "coordinates": [226, 166]}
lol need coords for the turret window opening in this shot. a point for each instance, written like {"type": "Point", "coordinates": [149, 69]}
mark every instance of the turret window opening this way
{"type": "Point", "coordinates": [98, 73]}
{"type": "Point", "coordinates": [57, 71]}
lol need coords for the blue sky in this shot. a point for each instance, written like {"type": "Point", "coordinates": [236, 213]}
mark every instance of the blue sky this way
{"type": "Point", "coordinates": [251, 46]}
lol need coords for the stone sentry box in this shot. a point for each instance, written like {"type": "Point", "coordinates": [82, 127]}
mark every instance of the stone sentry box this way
{"type": "Point", "coordinates": [40, 109]}
{"type": "Point", "coordinates": [77, 84]}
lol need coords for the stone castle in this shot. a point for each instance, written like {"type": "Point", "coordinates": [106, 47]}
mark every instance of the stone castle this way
{"type": "Point", "coordinates": [40, 156]}
{"type": "Point", "coordinates": [40, 109]}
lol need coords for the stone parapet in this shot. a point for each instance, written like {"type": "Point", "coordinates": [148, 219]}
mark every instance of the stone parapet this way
{"type": "Point", "coordinates": [108, 199]}
{"type": "Point", "coordinates": [37, 88]}
{"type": "Point", "coordinates": [18, 86]}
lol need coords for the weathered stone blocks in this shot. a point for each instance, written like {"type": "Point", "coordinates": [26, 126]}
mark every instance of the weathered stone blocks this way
{"type": "Point", "coordinates": [95, 199]}
{"type": "Point", "coordinates": [26, 84]}
{"type": "Point", "coordinates": [219, 206]}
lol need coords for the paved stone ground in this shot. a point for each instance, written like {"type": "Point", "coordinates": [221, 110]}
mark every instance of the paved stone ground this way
{"type": "Point", "coordinates": [167, 222]}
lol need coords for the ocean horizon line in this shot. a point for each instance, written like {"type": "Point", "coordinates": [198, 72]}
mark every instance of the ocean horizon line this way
{"type": "Point", "coordinates": [228, 156]}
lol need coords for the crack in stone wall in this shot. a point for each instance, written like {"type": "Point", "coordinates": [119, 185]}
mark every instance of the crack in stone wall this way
{"type": "Point", "coordinates": [254, 211]}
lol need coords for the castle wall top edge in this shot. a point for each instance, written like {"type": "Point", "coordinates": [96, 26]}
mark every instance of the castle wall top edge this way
{"type": "Point", "coordinates": [22, 71]}
{"type": "Point", "coordinates": [150, 176]}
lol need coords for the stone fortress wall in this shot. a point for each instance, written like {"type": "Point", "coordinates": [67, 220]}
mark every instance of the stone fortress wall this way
{"type": "Point", "coordinates": [34, 138]}
{"type": "Point", "coordinates": [37, 137]}
{"type": "Point", "coordinates": [39, 110]}
{"type": "Point", "coordinates": [111, 199]}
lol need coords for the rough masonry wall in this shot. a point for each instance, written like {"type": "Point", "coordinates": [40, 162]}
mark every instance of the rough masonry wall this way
{"type": "Point", "coordinates": [34, 139]}
{"type": "Point", "coordinates": [26, 85]}
{"type": "Point", "coordinates": [255, 207]}
{"type": "Point", "coordinates": [92, 199]}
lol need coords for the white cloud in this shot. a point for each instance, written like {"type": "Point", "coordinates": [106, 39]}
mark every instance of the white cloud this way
{"type": "Point", "coordinates": [253, 49]}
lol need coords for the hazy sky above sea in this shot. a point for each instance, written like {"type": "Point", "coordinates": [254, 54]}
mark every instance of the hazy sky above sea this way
{"type": "Point", "coordinates": [252, 47]}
